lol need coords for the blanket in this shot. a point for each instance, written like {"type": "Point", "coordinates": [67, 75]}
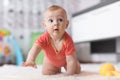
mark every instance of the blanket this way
{"type": "Point", "coordinates": [89, 72]}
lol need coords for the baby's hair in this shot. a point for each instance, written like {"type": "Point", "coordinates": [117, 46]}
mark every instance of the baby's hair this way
{"type": "Point", "coordinates": [55, 7]}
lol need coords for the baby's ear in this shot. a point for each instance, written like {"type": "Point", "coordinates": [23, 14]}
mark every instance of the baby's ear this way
{"type": "Point", "coordinates": [67, 23]}
{"type": "Point", "coordinates": [43, 24]}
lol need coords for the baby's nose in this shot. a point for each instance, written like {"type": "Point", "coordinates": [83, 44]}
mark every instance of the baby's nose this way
{"type": "Point", "coordinates": [56, 22]}
{"type": "Point", "coordinates": [55, 26]}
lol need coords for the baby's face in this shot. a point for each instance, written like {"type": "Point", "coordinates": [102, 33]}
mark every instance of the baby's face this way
{"type": "Point", "coordinates": [55, 22]}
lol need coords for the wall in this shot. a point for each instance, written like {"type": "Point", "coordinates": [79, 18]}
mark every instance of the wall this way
{"type": "Point", "coordinates": [83, 49]}
{"type": "Point", "coordinates": [84, 53]}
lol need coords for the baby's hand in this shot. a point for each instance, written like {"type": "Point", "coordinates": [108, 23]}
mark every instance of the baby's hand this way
{"type": "Point", "coordinates": [65, 74]}
{"type": "Point", "coordinates": [32, 64]}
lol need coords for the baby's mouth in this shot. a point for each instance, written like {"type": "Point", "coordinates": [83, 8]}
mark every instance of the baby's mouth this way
{"type": "Point", "coordinates": [56, 30]}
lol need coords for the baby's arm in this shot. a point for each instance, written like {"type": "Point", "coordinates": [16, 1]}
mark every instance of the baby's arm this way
{"type": "Point", "coordinates": [30, 61]}
{"type": "Point", "coordinates": [71, 64]}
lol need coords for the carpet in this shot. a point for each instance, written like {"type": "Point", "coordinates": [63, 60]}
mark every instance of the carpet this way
{"type": "Point", "coordinates": [89, 72]}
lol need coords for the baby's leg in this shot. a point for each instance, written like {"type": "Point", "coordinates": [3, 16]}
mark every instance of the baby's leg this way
{"type": "Point", "coordinates": [78, 69]}
{"type": "Point", "coordinates": [49, 69]}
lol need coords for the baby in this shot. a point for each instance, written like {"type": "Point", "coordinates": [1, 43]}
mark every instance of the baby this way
{"type": "Point", "coordinates": [57, 45]}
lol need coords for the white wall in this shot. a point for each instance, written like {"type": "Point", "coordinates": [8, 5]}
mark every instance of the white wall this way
{"type": "Point", "coordinates": [83, 49]}
{"type": "Point", "coordinates": [98, 24]}
{"type": "Point", "coordinates": [84, 4]}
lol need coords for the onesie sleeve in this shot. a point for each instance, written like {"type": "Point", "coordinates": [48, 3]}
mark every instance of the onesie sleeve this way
{"type": "Point", "coordinates": [70, 48]}
{"type": "Point", "coordinates": [42, 40]}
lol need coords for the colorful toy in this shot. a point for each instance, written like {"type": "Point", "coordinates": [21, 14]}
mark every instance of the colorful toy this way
{"type": "Point", "coordinates": [4, 48]}
{"type": "Point", "coordinates": [108, 69]}
{"type": "Point", "coordinates": [19, 57]}
{"type": "Point", "coordinates": [4, 32]}
{"type": "Point", "coordinates": [7, 39]}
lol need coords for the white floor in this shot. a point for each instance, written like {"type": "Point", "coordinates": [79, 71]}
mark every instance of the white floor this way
{"type": "Point", "coordinates": [11, 72]}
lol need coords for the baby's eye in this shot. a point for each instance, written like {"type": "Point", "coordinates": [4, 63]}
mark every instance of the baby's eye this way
{"type": "Point", "coordinates": [50, 20]}
{"type": "Point", "coordinates": [60, 20]}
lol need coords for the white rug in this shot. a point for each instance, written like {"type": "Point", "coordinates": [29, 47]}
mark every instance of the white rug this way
{"type": "Point", "coordinates": [89, 72]}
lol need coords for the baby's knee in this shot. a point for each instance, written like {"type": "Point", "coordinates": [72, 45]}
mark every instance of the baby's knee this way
{"type": "Point", "coordinates": [45, 73]}
{"type": "Point", "coordinates": [48, 72]}
{"type": "Point", "coordinates": [78, 69]}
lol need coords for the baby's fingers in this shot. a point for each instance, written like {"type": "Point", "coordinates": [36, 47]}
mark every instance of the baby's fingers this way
{"type": "Point", "coordinates": [31, 65]}
{"type": "Point", "coordinates": [24, 64]}
{"type": "Point", "coordinates": [34, 66]}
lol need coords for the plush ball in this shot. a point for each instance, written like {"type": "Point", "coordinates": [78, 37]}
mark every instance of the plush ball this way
{"type": "Point", "coordinates": [106, 69]}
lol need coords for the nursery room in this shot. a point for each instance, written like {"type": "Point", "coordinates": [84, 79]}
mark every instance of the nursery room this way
{"type": "Point", "coordinates": [34, 34]}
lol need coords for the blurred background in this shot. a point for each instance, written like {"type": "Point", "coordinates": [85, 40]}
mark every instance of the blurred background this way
{"type": "Point", "coordinates": [20, 25]}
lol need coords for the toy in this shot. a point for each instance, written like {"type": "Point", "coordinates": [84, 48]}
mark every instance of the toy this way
{"type": "Point", "coordinates": [4, 47]}
{"type": "Point", "coordinates": [108, 69]}
{"type": "Point", "coordinates": [19, 57]}
{"type": "Point", "coordinates": [7, 39]}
